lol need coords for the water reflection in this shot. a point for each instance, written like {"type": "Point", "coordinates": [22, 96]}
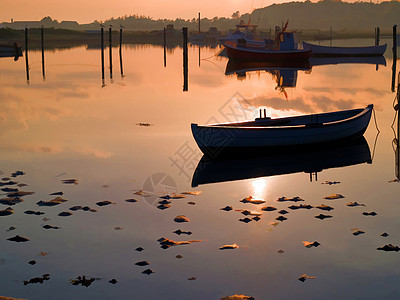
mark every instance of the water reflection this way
{"type": "Point", "coordinates": [322, 61]}
{"type": "Point", "coordinates": [284, 73]}
{"type": "Point", "coordinates": [284, 161]}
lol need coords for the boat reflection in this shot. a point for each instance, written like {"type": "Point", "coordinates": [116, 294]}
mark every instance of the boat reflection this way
{"type": "Point", "coordinates": [11, 54]}
{"type": "Point", "coordinates": [282, 161]}
{"type": "Point", "coordinates": [284, 72]}
{"type": "Point", "coordinates": [322, 61]}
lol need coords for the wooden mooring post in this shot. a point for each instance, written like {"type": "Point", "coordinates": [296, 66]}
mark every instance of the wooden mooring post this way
{"type": "Point", "coordinates": [42, 43]}
{"type": "Point", "coordinates": [120, 52]}
{"type": "Point", "coordinates": [110, 46]}
{"type": "Point", "coordinates": [394, 49]}
{"type": "Point", "coordinates": [185, 59]}
{"type": "Point", "coordinates": [377, 33]}
{"type": "Point", "coordinates": [102, 53]}
{"type": "Point", "coordinates": [165, 47]}
{"type": "Point", "coordinates": [26, 54]}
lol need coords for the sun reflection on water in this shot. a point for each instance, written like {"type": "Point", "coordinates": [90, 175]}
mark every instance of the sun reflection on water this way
{"type": "Point", "coordinates": [260, 188]}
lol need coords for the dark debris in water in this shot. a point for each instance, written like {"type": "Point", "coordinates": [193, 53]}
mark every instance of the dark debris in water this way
{"type": "Point", "coordinates": [301, 206]}
{"type": "Point", "coordinates": [38, 279]}
{"type": "Point", "coordinates": [227, 208]}
{"type": "Point", "coordinates": [17, 173]}
{"type": "Point", "coordinates": [69, 181]}
{"type": "Point", "coordinates": [32, 212]}
{"type": "Point", "coordinates": [372, 213]}
{"type": "Point", "coordinates": [324, 207]}
{"type": "Point", "coordinates": [142, 263]}
{"type": "Point", "coordinates": [50, 227]}
{"type": "Point", "coordinates": [283, 212]}
{"type": "Point", "coordinates": [148, 271]}
{"type": "Point", "coordinates": [104, 203]}
{"type": "Point", "coordinates": [65, 214]}
{"type": "Point", "coordinates": [8, 183]}
{"type": "Point", "coordinates": [144, 124]}
{"type": "Point", "coordinates": [113, 281]}
{"type": "Point", "coordinates": [268, 208]}
{"type": "Point", "coordinates": [245, 220]}
{"type": "Point", "coordinates": [53, 202]}
{"type": "Point", "coordinates": [358, 232]}
{"type": "Point", "coordinates": [281, 218]}
{"type": "Point", "coordinates": [309, 244]}
{"type": "Point", "coordinates": [330, 182]}
{"type": "Point", "coordinates": [322, 216]}
{"type": "Point", "coordinates": [84, 208]}
{"type": "Point", "coordinates": [11, 201]}
{"type": "Point", "coordinates": [6, 212]}
{"type": "Point", "coordinates": [389, 248]}
{"type": "Point", "coordinates": [139, 249]}
{"type": "Point", "coordinates": [385, 234]}
{"type": "Point", "coordinates": [9, 190]}
{"type": "Point", "coordinates": [181, 219]}
{"type": "Point", "coordinates": [82, 280]}
{"type": "Point", "coordinates": [303, 277]}
{"type": "Point", "coordinates": [57, 194]}
{"type": "Point", "coordinates": [163, 206]}
{"type": "Point", "coordinates": [167, 243]}
{"type": "Point", "coordinates": [131, 200]}
{"type": "Point", "coordinates": [353, 204]}
{"type": "Point", "coordinates": [32, 262]}
{"type": "Point", "coordinates": [294, 199]}
{"type": "Point", "coordinates": [179, 232]}
{"type": "Point", "coordinates": [18, 239]}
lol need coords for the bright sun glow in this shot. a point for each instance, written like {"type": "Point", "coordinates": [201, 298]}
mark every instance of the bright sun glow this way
{"type": "Point", "coordinates": [259, 186]}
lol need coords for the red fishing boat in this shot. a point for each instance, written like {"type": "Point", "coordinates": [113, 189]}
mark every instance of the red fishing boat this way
{"type": "Point", "coordinates": [283, 48]}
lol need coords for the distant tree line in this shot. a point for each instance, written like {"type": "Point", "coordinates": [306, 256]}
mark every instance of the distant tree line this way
{"type": "Point", "coordinates": [301, 15]}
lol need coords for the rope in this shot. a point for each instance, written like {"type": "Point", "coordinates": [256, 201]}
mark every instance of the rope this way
{"type": "Point", "coordinates": [376, 140]}
{"type": "Point", "coordinates": [376, 124]}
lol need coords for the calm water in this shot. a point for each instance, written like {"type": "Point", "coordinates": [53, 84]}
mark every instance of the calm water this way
{"type": "Point", "coordinates": [71, 126]}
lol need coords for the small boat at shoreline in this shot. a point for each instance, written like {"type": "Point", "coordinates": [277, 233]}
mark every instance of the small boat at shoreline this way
{"type": "Point", "coordinates": [317, 50]}
{"type": "Point", "coordinates": [268, 133]}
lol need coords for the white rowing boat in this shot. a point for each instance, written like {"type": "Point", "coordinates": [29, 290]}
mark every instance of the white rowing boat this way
{"type": "Point", "coordinates": [282, 132]}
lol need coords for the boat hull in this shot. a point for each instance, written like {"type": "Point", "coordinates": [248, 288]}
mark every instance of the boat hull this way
{"type": "Point", "coordinates": [213, 140]}
{"type": "Point", "coordinates": [258, 54]}
{"type": "Point", "coordinates": [322, 51]}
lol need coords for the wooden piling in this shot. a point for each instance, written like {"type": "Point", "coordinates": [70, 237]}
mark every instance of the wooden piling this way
{"type": "Point", "coordinates": [120, 52]}
{"type": "Point", "coordinates": [199, 23]}
{"type": "Point", "coordinates": [165, 47]}
{"type": "Point", "coordinates": [26, 54]}
{"type": "Point", "coordinates": [185, 59]}
{"type": "Point", "coordinates": [394, 49]}
{"type": "Point", "coordinates": [42, 42]}
{"type": "Point", "coordinates": [110, 46]}
{"type": "Point", "coordinates": [102, 53]}
{"type": "Point", "coordinates": [377, 33]}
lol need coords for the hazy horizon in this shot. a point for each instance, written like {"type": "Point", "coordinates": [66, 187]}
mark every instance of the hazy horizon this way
{"type": "Point", "coordinates": [88, 11]}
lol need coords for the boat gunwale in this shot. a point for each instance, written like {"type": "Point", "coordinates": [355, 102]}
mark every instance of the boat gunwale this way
{"type": "Point", "coordinates": [302, 126]}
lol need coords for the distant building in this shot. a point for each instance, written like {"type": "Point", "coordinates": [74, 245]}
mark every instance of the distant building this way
{"type": "Point", "coordinates": [23, 24]}
{"type": "Point", "coordinates": [68, 25]}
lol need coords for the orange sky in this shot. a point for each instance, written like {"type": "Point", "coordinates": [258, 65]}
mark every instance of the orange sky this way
{"type": "Point", "coordinates": [86, 11]}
